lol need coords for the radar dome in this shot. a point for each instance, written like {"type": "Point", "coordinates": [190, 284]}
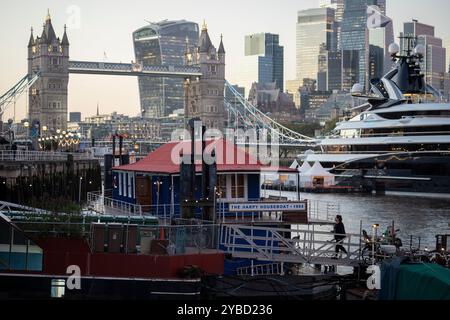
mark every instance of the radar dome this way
{"type": "Point", "coordinates": [420, 50]}
{"type": "Point", "coordinates": [358, 88]}
{"type": "Point", "coordinates": [394, 48]}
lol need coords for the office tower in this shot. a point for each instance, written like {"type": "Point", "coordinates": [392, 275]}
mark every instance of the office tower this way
{"type": "Point", "coordinates": [380, 38]}
{"type": "Point", "coordinates": [329, 76]}
{"type": "Point", "coordinates": [75, 117]}
{"type": "Point", "coordinates": [293, 88]}
{"type": "Point", "coordinates": [350, 69]}
{"type": "Point", "coordinates": [315, 27]}
{"type": "Point", "coordinates": [354, 34]}
{"type": "Point", "coordinates": [414, 28]}
{"type": "Point", "coordinates": [447, 48]}
{"type": "Point", "coordinates": [434, 63]}
{"type": "Point", "coordinates": [163, 43]}
{"type": "Point", "coordinates": [338, 6]}
{"type": "Point", "coordinates": [263, 61]}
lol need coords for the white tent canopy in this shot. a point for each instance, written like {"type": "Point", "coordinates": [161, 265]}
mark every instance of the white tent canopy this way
{"type": "Point", "coordinates": [304, 168]}
{"type": "Point", "coordinates": [294, 165]}
{"type": "Point", "coordinates": [316, 176]}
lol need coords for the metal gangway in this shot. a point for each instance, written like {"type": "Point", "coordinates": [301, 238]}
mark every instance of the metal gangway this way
{"type": "Point", "coordinates": [289, 245]}
{"type": "Point", "coordinates": [9, 207]}
{"type": "Point", "coordinates": [268, 269]}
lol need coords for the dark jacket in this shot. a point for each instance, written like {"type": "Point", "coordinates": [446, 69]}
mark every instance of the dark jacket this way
{"type": "Point", "coordinates": [339, 231]}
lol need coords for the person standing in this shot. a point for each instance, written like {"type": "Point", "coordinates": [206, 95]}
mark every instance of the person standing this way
{"type": "Point", "coordinates": [339, 235]}
{"type": "Point", "coordinates": [14, 150]}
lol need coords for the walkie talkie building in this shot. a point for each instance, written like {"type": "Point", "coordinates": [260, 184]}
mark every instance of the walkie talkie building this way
{"type": "Point", "coordinates": [163, 43]}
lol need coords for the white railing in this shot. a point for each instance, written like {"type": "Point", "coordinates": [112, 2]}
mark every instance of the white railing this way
{"type": "Point", "coordinates": [260, 270]}
{"type": "Point", "coordinates": [104, 205]}
{"type": "Point", "coordinates": [31, 156]}
{"type": "Point", "coordinates": [319, 212]}
{"type": "Point", "coordinates": [323, 210]}
{"type": "Point", "coordinates": [288, 245]}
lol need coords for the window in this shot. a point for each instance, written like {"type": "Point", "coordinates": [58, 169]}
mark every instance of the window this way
{"type": "Point", "coordinates": [238, 186]}
{"type": "Point", "coordinates": [17, 252]}
{"type": "Point", "coordinates": [130, 184]}
{"type": "Point", "coordinates": [58, 288]}
{"type": "Point", "coordinates": [222, 186]}
{"type": "Point", "coordinates": [212, 69]}
{"type": "Point", "coordinates": [120, 184]}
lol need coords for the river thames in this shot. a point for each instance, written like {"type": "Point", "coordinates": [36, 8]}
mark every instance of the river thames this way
{"type": "Point", "coordinates": [413, 215]}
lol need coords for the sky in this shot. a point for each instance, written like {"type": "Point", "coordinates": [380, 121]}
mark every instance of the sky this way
{"type": "Point", "coordinates": [96, 27]}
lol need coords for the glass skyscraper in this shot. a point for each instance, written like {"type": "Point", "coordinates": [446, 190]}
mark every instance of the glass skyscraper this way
{"type": "Point", "coordinates": [329, 76]}
{"type": "Point", "coordinates": [380, 38]}
{"type": "Point", "coordinates": [338, 6]}
{"type": "Point", "coordinates": [315, 29]}
{"type": "Point", "coordinates": [163, 43]}
{"type": "Point", "coordinates": [263, 61]}
{"type": "Point", "coordinates": [354, 33]}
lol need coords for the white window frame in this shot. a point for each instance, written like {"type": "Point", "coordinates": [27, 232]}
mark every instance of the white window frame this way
{"type": "Point", "coordinates": [229, 194]}
{"type": "Point", "coordinates": [130, 188]}
{"type": "Point", "coordinates": [120, 184]}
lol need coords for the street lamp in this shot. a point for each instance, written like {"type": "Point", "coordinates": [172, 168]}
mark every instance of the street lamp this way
{"type": "Point", "coordinates": [158, 184]}
{"type": "Point", "coordinates": [79, 190]}
{"type": "Point", "coordinates": [374, 235]}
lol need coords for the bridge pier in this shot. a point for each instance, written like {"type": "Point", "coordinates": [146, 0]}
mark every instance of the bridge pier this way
{"type": "Point", "coordinates": [46, 177]}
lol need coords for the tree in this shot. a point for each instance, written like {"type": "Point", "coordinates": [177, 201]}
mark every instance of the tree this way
{"type": "Point", "coordinates": [330, 125]}
{"type": "Point", "coordinates": [306, 129]}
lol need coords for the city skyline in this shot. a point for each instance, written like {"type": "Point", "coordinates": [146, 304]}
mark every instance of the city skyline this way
{"type": "Point", "coordinates": [100, 37]}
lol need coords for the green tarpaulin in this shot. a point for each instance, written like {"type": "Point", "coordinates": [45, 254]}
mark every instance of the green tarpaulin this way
{"type": "Point", "coordinates": [422, 282]}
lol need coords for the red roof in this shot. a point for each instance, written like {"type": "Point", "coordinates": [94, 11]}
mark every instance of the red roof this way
{"type": "Point", "coordinates": [229, 157]}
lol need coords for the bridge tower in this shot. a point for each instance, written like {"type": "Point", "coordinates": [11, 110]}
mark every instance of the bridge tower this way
{"type": "Point", "coordinates": [48, 55]}
{"type": "Point", "coordinates": [204, 96]}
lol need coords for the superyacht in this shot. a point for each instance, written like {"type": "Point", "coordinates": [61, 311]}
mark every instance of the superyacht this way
{"type": "Point", "coordinates": [399, 140]}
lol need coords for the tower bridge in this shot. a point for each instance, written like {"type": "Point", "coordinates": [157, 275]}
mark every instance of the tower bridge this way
{"type": "Point", "coordinates": [208, 95]}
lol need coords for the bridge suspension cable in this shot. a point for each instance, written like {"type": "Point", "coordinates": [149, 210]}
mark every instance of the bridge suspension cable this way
{"type": "Point", "coordinates": [15, 92]}
{"type": "Point", "coordinates": [245, 115]}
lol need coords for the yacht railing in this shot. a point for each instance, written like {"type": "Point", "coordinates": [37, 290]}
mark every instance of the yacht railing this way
{"type": "Point", "coordinates": [401, 134]}
{"type": "Point", "coordinates": [385, 152]}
